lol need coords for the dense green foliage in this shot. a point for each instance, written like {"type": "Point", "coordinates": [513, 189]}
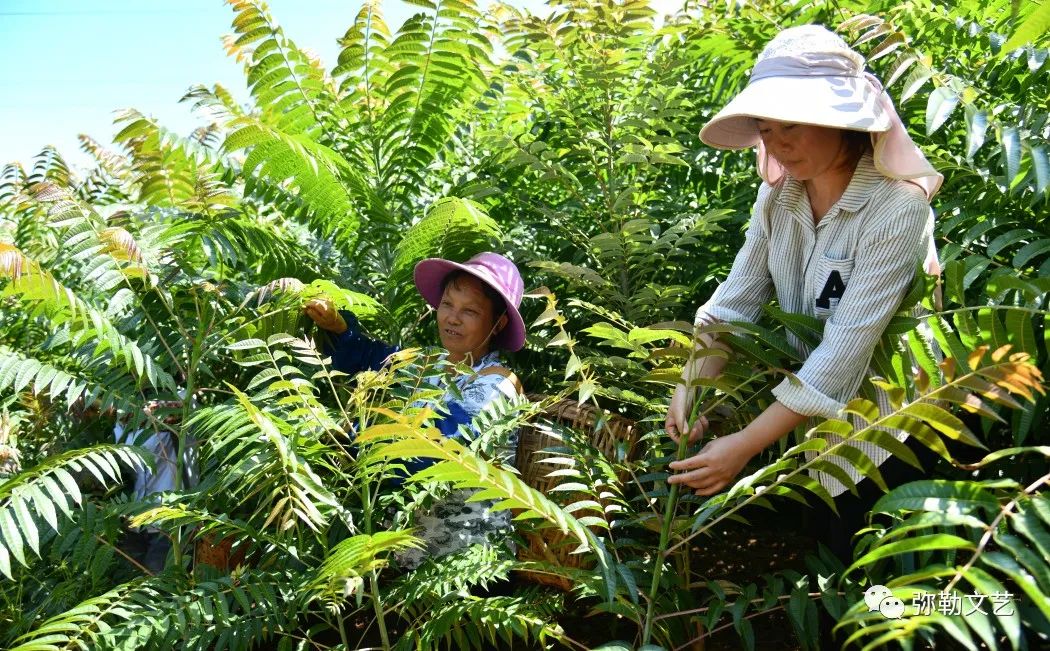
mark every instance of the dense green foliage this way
{"type": "Point", "coordinates": [178, 266]}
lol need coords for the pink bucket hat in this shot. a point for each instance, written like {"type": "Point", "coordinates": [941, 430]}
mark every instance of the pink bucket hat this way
{"type": "Point", "coordinates": [809, 75]}
{"type": "Point", "coordinates": [494, 270]}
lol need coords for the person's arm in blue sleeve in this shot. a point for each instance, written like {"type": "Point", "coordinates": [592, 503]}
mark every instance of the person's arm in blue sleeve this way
{"type": "Point", "coordinates": [352, 351]}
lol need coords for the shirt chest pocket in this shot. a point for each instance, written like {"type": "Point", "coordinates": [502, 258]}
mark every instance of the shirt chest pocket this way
{"type": "Point", "coordinates": [830, 281]}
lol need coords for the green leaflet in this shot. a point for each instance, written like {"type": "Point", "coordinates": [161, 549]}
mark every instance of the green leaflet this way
{"type": "Point", "coordinates": [35, 491]}
{"type": "Point", "coordinates": [349, 561]}
{"type": "Point", "coordinates": [938, 495]}
{"type": "Point", "coordinates": [940, 105]}
{"type": "Point", "coordinates": [1035, 26]}
{"type": "Point", "coordinates": [919, 543]}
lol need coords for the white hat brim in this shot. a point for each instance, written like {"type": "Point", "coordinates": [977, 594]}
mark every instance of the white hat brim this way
{"type": "Point", "coordinates": [837, 102]}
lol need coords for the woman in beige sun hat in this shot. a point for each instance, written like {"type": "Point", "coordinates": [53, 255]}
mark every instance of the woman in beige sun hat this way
{"type": "Point", "coordinates": [840, 224]}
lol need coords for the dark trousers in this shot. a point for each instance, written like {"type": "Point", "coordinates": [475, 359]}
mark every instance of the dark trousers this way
{"type": "Point", "coordinates": [150, 548]}
{"type": "Point", "coordinates": [836, 532]}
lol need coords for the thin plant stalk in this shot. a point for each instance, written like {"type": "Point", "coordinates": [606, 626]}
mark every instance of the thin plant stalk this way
{"type": "Point", "coordinates": [377, 604]}
{"type": "Point", "coordinates": [377, 599]}
{"type": "Point", "coordinates": [187, 398]}
{"type": "Point", "coordinates": [342, 630]}
{"type": "Point", "coordinates": [665, 530]}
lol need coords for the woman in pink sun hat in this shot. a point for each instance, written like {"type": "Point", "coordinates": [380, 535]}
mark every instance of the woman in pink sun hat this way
{"type": "Point", "coordinates": [840, 225]}
{"type": "Point", "coordinates": [440, 281]}
{"type": "Point", "coordinates": [477, 313]}
{"type": "Point", "coordinates": [476, 304]}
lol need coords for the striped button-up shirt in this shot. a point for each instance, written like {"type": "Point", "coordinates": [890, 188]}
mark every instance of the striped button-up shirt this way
{"type": "Point", "coordinates": [851, 269]}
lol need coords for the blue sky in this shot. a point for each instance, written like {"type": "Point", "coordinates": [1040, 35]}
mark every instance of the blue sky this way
{"type": "Point", "coordinates": [66, 66]}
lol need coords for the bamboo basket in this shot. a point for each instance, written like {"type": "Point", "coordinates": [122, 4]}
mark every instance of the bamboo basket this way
{"type": "Point", "coordinates": [550, 545]}
{"type": "Point", "coordinates": [208, 551]}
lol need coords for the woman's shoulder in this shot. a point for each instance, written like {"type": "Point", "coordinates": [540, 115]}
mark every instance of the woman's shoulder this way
{"type": "Point", "coordinates": [491, 374]}
{"type": "Point", "coordinates": [896, 198]}
{"type": "Point", "coordinates": [901, 191]}
{"type": "Point", "coordinates": [768, 192]}
{"type": "Point", "coordinates": [895, 208]}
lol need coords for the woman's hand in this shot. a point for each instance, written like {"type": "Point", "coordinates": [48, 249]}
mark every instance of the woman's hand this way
{"type": "Point", "coordinates": [678, 415]}
{"type": "Point", "coordinates": [722, 459]}
{"type": "Point", "coordinates": [325, 315]}
{"type": "Point", "coordinates": [717, 464]}
{"type": "Point", "coordinates": [707, 361]}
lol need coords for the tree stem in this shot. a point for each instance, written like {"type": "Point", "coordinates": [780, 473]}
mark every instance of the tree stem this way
{"type": "Point", "coordinates": [187, 399]}
{"type": "Point", "coordinates": [665, 530]}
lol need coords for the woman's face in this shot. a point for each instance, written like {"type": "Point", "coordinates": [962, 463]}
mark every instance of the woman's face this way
{"type": "Point", "coordinates": [804, 150]}
{"type": "Point", "coordinates": [465, 319]}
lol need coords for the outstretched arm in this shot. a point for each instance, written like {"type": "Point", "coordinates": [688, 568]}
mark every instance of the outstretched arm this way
{"type": "Point", "coordinates": [884, 268]}
{"type": "Point", "coordinates": [740, 297]}
{"type": "Point", "coordinates": [351, 350]}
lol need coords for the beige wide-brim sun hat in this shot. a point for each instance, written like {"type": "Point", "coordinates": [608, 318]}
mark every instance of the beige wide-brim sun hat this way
{"type": "Point", "coordinates": [809, 75]}
{"type": "Point", "coordinates": [846, 102]}
{"type": "Point", "coordinates": [805, 75]}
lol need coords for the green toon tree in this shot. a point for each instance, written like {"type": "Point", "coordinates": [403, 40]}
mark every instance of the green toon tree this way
{"type": "Point", "coordinates": [576, 133]}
